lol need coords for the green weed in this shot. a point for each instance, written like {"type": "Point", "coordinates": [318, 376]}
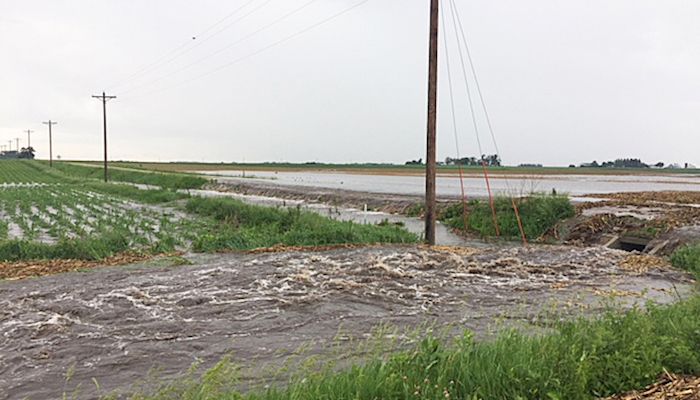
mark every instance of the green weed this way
{"type": "Point", "coordinates": [243, 226]}
{"type": "Point", "coordinates": [687, 258]}
{"type": "Point", "coordinates": [538, 214]}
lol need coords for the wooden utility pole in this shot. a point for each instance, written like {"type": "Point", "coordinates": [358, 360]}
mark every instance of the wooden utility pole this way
{"type": "Point", "coordinates": [29, 137]}
{"type": "Point", "coordinates": [104, 99]}
{"type": "Point", "coordinates": [430, 192]}
{"type": "Point", "coordinates": [50, 124]}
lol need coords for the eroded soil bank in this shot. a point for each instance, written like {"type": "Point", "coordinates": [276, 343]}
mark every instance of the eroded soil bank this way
{"type": "Point", "coordinates": [114, 325]}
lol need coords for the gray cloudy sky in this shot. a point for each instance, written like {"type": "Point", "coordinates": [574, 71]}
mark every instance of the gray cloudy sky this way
{"type": "Point", "coordinates": [565, 81]}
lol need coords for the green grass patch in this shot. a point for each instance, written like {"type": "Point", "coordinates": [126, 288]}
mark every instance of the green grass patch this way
{"type": "Point", "coordinates": [164, 180]}
{"type": "Point", "coordinates": [91, 248]}
{"type": "Point", "coordinates": [538, 213]}
{"type": "Point", "coordinates": [580, 359]}
{"type": "Point", "coordinates": [687, 258]}
{"type": "Point", "coordinates": [244, 227]}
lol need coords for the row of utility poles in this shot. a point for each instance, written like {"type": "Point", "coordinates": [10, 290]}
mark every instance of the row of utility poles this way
{"type": "Point", "coordinates": [9, 145]}
{"type": "Point", "coordinates": [430, 173]}
{"type": "Point", "coordinates": [104, 98]}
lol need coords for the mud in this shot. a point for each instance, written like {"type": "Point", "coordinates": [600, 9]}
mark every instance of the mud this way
{"type": "Point", "coordinates": [114, 325]}
{"type": "Point", "coordinates": [389, 203]}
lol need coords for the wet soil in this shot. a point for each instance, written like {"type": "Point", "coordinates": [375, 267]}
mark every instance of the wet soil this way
{"type": "Point", "coordinates": [113, 325]}
{"type": "Point", "coordinates": [389, 203]}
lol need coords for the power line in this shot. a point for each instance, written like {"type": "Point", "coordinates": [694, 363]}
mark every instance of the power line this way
{"type": "Point", "coordinates": [261, 50]}
{"type": "Point", "coordinates": [454, 119]}
{"type": "Point", "coordinates": [228, 46]}
{"type": "Point", "coordinates": [476, 79]}
{"type": "Point", "coordinates": [189, 46]}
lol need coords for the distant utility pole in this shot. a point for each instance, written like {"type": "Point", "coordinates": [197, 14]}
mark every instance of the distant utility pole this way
{"type": "Point", "coordinates": [29, 137]}
{"type": "Point", "coordinates": [9, 147]}
{"type": "Point", "coordinates": [431, 158]}
{"type": "Point", "coordinates": [50, 124]}
{"type": "Point", "coordinates": [105, 99]}
{"type": "Point", "coordinates": [17, 139]}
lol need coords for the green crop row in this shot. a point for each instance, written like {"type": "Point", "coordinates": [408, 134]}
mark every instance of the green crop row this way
{"type": "Point", "coordinates": [28, 172]}
{"type": "Point", "coordinates": [93, 220]}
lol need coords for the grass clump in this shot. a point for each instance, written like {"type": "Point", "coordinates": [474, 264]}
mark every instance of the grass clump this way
{"type": "Point", "coordinates": [92, 248]}
{"type": "Point", "coordinates": [243, 227]}
{"type": "Point", "coordinates": [687, 258]}
{"type": "Point", "coordinates": [171, 181]}
{"type": "Point", "coordinates": [538, 214]}
{"type": "Point", "coordinates": [581, 359]}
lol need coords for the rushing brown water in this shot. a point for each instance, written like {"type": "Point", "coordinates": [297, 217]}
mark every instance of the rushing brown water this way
{"type": "Point", "coordinates": [114, 325]}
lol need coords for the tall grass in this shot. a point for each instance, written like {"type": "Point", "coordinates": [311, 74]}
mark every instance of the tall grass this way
{"type": "Point", "coordinates": [95, 247]}
{"type": "Point", "coordinates": [687, 258]}
{"type": "Point", "coordinates": [581, 359]}
{"type": "Point", "coordinates": [243, 226]}
{"type": "Point", "coordinates": [538, 213]}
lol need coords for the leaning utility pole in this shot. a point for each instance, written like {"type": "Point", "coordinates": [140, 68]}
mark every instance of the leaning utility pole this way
{"type": "Point", "coordinates": [29, 137]}
{"type": "Point", "coordinates": [50, 124]}
{"type": "Point", "coordinates": [430, 195]}
{"type": "Point", "coordinates": [104, 99]}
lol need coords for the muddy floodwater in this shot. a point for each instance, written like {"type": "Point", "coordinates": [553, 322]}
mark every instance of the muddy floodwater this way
{"type": "Point", "coordinates": [114, 325]}
{"type": "Point", "coordinates": [449, 185]}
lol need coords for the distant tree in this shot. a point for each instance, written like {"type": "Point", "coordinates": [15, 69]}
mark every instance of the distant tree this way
{"type": "Point", "coordinates": [26, 153]}
{"type": "Point", "coordinates": [415, 162]}
{"type": "Point", "coordinates": [659, 164]}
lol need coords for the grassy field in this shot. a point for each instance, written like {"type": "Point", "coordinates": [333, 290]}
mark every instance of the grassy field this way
{"type": "Point", "coordinates": [389, 169]}
{"type": "Point", "coordinates": [63, 213]}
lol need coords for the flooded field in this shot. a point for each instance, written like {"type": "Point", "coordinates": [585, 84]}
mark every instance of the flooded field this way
{"type": "Point", "coordinates": [112, 326]}
{"type": "Point", "coordinates": [449, 185]}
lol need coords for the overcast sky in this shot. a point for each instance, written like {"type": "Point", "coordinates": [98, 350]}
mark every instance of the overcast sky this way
{"type": "Point", "coordinates": [564, 81]}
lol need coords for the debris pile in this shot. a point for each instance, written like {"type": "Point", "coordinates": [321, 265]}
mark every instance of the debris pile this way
{"type": "Point", "coordinates": [670, 387]}
{"type": "Point", "coordinates": [642, 263]}
{"type": "Point", "coordinates": [31, 269]}
{"type": "Point", "coordinates": [642, 214]}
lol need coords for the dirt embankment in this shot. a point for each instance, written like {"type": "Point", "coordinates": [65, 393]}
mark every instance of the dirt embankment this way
{"type": "Point", "coordinates": [393, 204]}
